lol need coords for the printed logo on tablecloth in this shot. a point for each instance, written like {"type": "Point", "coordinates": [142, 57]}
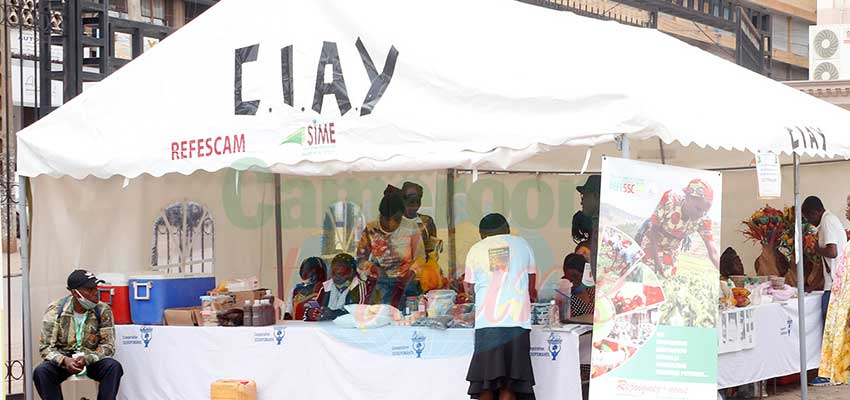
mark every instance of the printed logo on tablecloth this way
{"type": "Point", "coordinates": [554, 345]}
{"type": "Point", "coordinates": [137, 340]}
{"type": "Point", "coordinates": [550, 352]}
{"type": "Point", "coordinates": [786, 330]}
{"type": "Point", "coordinates": [279, 334]}
{"type": "Point", "coordinates": [274, 336]}
{"type": "Point", "coordinates": [418, 341]}
{"type": "Point", "coordinates": [147, 334]}
{"type": "Point", "coordinates": [416, 346]}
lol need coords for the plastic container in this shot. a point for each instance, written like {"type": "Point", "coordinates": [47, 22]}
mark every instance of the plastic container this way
{"type": "Point", "coordinates": [257, 314]}
{"type": "Point", "coordinates": [268, 314]}
{"type": "Point", "coordinates": [151, 294]}
{"type": "Point", "coordinates": [208, 315]}
{"type": "Point", "coordinates": [226, 389]}
{"type": "Point", "coordinates": [540, 313]}
{"type": "Point", "coordinates": [116, 293]}
{"type": "Point", "coordinates": [411, 305]}
{"type": "Point", "coordinates": [247, 314]}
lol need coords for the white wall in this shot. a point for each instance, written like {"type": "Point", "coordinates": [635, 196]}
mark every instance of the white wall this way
{"type": "Point", "coordinates": [830, 182]}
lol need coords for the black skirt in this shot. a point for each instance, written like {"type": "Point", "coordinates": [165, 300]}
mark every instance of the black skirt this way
{"type": "Point", "coordinates": [502, 360]}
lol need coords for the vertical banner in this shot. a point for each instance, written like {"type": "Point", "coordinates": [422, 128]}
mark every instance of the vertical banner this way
{"type": "Point", "coordinates": [655, 328]}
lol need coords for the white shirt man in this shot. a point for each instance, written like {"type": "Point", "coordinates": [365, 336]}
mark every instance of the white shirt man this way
{"type": "Point", "coordinates": [830, 231]}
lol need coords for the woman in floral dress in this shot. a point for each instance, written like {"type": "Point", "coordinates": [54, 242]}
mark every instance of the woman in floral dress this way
{"type": "Point", "coordinates": [835, 352]}
{"type": "Point", "coordinates": [390, 253]}
{"type": "Point", "coordinates": [674, 220]}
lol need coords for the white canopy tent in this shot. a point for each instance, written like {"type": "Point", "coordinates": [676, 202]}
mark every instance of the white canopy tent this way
{"type": "Point", "coordinates": [321, 87]}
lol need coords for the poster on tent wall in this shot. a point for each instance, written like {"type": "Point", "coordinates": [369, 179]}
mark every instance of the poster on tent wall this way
{"type": "Point", "coordinates": [655, 330]}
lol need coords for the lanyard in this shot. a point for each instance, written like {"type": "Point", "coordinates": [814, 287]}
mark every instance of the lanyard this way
{"type": "Point", "coordinates": [78, 329]}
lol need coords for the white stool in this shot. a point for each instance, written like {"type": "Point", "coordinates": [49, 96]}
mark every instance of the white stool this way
{"type": "Point", "coordinates": [79, 380]}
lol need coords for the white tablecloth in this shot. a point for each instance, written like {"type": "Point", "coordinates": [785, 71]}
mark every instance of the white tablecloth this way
{"type": "Point", "coordinates": [301, 360]}
{"type": "Point", "coordinates": [777, 348]}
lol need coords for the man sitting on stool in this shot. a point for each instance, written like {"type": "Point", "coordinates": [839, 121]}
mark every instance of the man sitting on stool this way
{"type": "Point", "coordinates": [78, 338]}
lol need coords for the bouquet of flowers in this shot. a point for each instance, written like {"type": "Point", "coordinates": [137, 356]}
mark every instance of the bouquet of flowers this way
{"type": "Point", "coordinates": [767, 227]}
{"type": "Point", "coordinates": [810, 238]}
{"type": "Point", "coordinates": [774, 230]}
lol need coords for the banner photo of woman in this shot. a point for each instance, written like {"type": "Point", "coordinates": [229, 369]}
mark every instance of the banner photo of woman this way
{"type": "Point", "coordinates": [655, 322]}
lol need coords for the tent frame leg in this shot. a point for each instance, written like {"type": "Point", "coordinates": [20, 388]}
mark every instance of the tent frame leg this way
{"type": "Point", "coordinates": [278, 230]}
{"type": "Point", "coordinates": [23, 223]}
{"type": "Point", "coordinates": [801, 281]}
{"type": "Point", "coordinates": [623, 146]}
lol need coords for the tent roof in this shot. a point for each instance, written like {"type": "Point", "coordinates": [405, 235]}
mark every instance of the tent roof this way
{"type": "Point", "coordinates": [476, 84]}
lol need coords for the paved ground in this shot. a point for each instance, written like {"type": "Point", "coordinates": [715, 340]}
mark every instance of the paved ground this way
{"type": "Point", "coordinates": [815, 393]}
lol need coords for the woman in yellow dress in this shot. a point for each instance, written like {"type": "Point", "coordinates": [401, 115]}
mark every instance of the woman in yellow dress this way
{"type": "Point", "coordinates": [835, 352]}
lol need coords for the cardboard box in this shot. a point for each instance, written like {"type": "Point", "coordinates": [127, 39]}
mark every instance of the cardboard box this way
{"type": "Point", "coordinates": [186, 316]}
{"type": "Point", "coordinates": [240, 297]}
{"type": "Point", "coordinates": [224, 389]}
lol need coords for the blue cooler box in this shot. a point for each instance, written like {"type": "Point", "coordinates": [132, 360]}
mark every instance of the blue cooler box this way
{"type": "Point", "coordinates": [151, 294]}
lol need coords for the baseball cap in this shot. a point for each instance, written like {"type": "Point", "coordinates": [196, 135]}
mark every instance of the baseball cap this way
{"type": "Point", "coordinates": [592, 185]}
{"type": "Point", "coordinates": [82, 279]}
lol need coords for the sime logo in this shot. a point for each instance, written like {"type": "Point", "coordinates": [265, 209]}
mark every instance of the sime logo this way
{"type": "Point", "coordinates": [314, 137]}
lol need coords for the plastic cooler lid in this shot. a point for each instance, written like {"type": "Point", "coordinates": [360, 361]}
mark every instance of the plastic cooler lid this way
{"type": "Point", "coordinates": [162, 276]}
{"type": "Point", "coordinates": [113, 279]}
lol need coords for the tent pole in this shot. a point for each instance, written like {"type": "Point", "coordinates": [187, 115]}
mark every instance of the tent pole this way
{"type": "Point", "coordinates": [801, 279]}
{"type": "Point", "coordinates": [23, 223]}
{"type": "Point", "coordinates": [278, 230]}
{"type": "Point", "coordinates": [624, 146]}
{"type": "Point", "coordinates": [450, 222]}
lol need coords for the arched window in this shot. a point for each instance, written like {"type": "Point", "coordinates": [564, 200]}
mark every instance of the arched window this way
{"type": "Point", "coordinates": [183, 239]}
{"type": "Point", "coordinates": [343, 224]}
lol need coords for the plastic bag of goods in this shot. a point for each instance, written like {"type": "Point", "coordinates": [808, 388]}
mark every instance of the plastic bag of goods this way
{"type": "Point", "coordinates": [440, 302]}
{"type": "Point", "coordinates": [463, 316]}
{"type": "Point", "coordinates": [208, 315]}
{"type": "Point", "coordinates": [365, 316]}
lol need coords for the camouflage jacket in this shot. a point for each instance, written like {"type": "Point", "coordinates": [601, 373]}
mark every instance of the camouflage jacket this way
{"type": "Point", "coordinates": [59, 339]}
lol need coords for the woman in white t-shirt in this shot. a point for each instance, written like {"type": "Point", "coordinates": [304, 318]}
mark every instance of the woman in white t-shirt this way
{"type": "Point", "coordinates": [500, 272]}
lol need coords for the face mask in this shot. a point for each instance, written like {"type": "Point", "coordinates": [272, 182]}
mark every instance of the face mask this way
{"type": "Point", "coordinates": [342, 282]}
{"type": "Point", "coordinates": [587, 278]}
{"type": "Point", "coordinates": [86, 303]}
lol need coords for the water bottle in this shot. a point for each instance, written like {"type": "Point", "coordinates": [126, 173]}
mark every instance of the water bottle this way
{"type": "Point", "coordinates": [553, 320]}
{"type": "Point", "coordinates": [562, 298]}
{"type": "Point", "coordinates": [76, 356]}
{"type": "Point", "coordinates": [755, 294]}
